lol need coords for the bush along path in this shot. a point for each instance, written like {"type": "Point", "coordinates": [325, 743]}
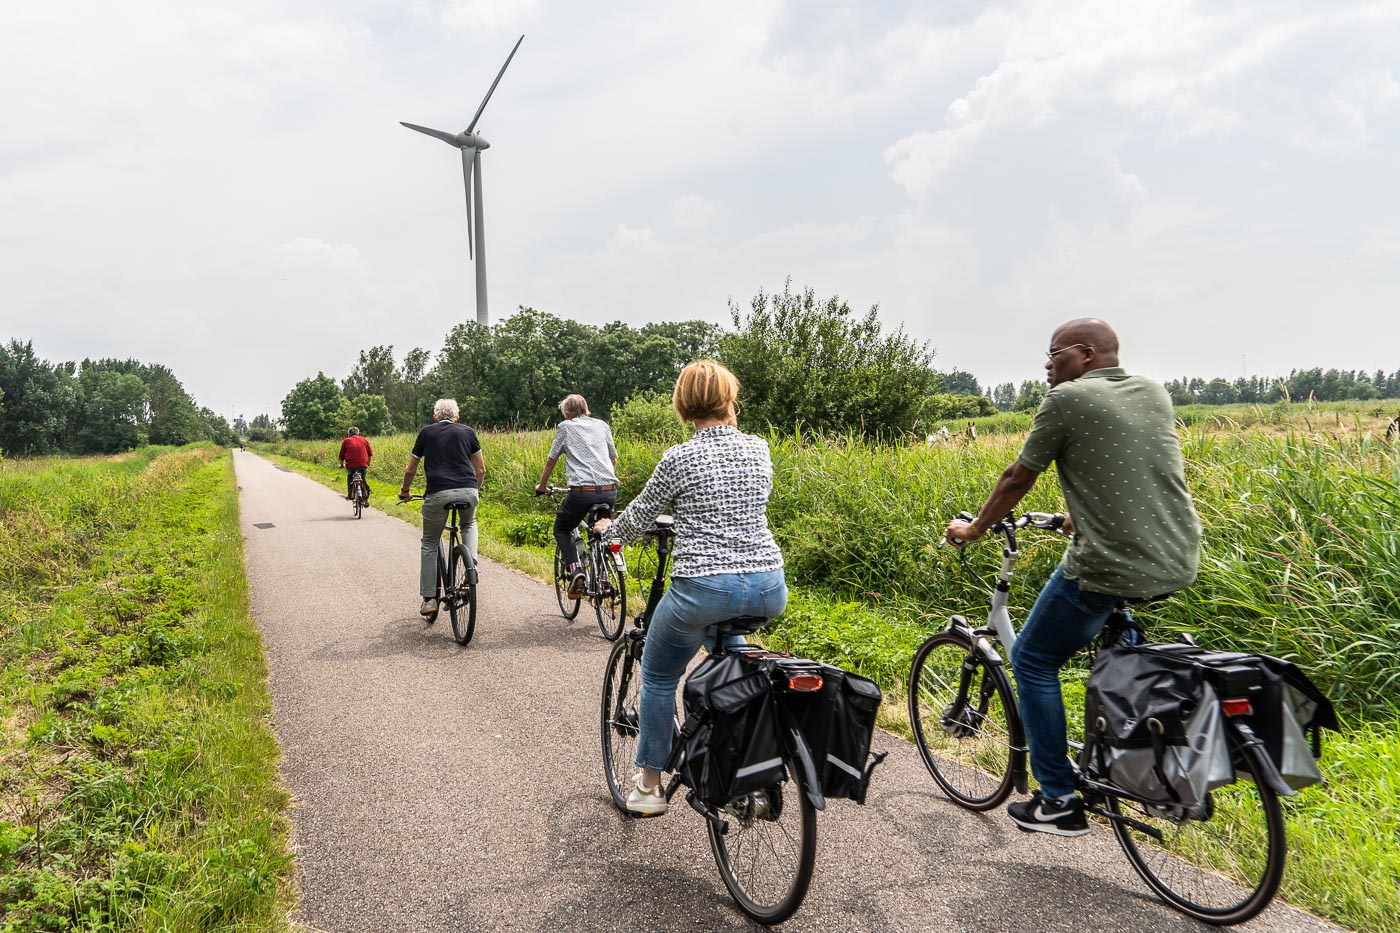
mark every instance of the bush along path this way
{"type": "Point", "coordinates": [447, 788]}
{"type": "Point", "coordinates": [138, 784]}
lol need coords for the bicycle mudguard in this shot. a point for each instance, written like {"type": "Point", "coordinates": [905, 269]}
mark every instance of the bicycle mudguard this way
{"type": "Point", "coordinates": [1271, 775]}
{"type": "Point", "coordinates": [812, 785]}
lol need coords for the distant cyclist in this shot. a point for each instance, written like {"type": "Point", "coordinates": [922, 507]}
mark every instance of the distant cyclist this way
{"type": "Point", "coordinates": [726, 563]}
{"type": "Point", "coordinates": [355, 455]}
{"type": "Point", "coordinates": [590, 467]}
{"type": "Point", "coordinates": [452, 459]}
{"type": "Point", "coordinates": [1112, 438]}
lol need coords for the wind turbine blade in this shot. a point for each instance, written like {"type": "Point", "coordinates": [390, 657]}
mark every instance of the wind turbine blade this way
{"type": "Point", "coordinates": [437, 134]}
{"type": "Point", "coordinates": [472, 126]}
{"type": "Point", "coordinates": [468, 163]}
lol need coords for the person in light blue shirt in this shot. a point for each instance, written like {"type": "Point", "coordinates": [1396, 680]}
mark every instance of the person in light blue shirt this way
{"type": "Point", "coordinates": [590, 467]}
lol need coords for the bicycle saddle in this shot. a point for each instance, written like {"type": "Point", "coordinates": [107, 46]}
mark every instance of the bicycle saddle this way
{"type": "Point", "coordinates": [664, 521]}
{"type": "Point", "coordinates": [600, 510]}
{"type": "Point", "coordinates": [741, 625]}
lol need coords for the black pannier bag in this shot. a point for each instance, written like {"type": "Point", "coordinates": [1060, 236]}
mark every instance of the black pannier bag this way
{"type": "Point", "coordinates": [729, 744]}
{"type": "Point", "coordinates": [732, 741]}
{"type": "Point", "coordinates": [1154, 724]}
{"type": "Point", "coordinates": [838, 723]}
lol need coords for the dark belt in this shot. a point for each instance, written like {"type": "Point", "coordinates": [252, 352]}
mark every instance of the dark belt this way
{"type": "Point", "coordinates": [593, 488]}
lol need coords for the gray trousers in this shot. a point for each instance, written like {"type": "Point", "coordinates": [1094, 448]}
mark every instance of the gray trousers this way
{"type": "Point", "coordinates": [434, 519]}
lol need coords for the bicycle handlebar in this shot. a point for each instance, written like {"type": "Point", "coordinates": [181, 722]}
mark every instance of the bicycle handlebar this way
{"type": "Point", "coordinates": [1050, 521]}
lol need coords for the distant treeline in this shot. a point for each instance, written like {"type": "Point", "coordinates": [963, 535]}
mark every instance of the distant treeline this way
{"type": "Point", "coordinates": [804, 364]}
{"type": "Point", "coordinates": [1300, 385]}
{"type": "Point", "coordinates": [102, 406]}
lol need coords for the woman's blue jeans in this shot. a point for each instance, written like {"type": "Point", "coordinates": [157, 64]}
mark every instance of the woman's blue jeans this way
{"type": "Point", "coordinates": [684, 620]}
{"type": "Point", "coordinates": [1063, 621]}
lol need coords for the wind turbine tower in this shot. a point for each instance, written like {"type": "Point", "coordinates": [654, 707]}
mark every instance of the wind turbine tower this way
{"type": "Point", "coordinates": [471, 145]}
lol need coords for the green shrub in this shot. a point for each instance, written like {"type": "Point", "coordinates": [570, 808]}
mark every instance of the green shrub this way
{"type": "Point", "coordinates": [648, 416]}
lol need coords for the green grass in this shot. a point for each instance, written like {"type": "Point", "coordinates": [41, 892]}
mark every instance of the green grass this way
{"type": "Point", "coordinates": [138, 783]}
{"type": "Point", "coordinates": [1301, 559]}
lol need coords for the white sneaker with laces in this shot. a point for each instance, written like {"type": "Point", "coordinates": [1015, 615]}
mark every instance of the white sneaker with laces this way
{"type": "Point", "coordinates": [648, 801]}
{"type": "Point", "coordinates": [429, 607]}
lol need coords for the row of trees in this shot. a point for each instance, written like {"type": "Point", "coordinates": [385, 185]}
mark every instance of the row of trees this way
{"type": "Point", "coordinates": [102, 406]}
{"type": "Point", "coordinates": [802, 362]}
{"type": "Point", "coordinates": [1333, 385]}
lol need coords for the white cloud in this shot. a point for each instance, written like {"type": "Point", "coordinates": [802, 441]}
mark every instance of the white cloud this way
{"type": "Point", "coordinates": [691, 210]}
{"type": "Point", "coordinates": [310, 249]}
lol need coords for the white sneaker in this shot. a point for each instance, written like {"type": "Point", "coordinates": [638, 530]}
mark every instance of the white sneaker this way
{"type": "Point", "coordinates": [429, 608]}
{"type": "Point", "coordinates": [648, 801]}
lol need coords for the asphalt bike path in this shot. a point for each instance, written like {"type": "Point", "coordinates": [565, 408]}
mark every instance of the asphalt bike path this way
{"type": "Point", "coordinates": [441, 788]}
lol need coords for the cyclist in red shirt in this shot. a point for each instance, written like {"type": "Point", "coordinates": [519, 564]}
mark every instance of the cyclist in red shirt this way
{"type": "Point", "coordinates": [355, 454]}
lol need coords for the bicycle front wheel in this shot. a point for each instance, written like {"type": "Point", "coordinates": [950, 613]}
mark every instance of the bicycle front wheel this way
{"type": "Point", "coordinates": [766, 857]}
{"type": "Point", "coordinates": [461, 605]}
{"type": "Point", "coordinates": [1222, 865]}
{"type": "Point", "coordinates": [568, 607]}
{"type": "Point", "coordinates": [963, 716]}
{"type": "Point", "coordinates": [620, 721]}
{"type": "Point", "coordinates": [611, 602]}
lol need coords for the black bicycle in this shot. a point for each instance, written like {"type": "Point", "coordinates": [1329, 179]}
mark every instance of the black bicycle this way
{"type": "Point", "coordinates": [456, 579]}
{"type": "Point", "coordinates": [604, 570]}
{"type": "Point", "coordinates": [765, 842]}
{"type": "Point", "coordinates": [967, 724]}
{"type": "Point", "coordinates": [359, 492]}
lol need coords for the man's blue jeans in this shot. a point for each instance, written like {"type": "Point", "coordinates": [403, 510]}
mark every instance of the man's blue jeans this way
{"type": "Point", "coordinates": [684, 620]}
{"type": "Point", "coordinates": [1063, 621]}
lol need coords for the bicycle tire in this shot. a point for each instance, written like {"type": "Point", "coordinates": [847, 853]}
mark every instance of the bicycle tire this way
{"type": "Point", "coordinates": [567, 607]}
{"type": "Point", "coordinates": [610, 605]}
{"type": "Point", "coordinates": [618, 721]}
{"type": "Point", "coordinates": [359, 502]}
{"type": "Point", "coordinates": [641, 567]}
{"type": "Point", "coordinates": [1240, 871]}
{"type": "Point", "coordinates": [968, 741]}
{"type": "Point", "coordinates": [767, 863]}
{"type": "Point", "coordinates": [461, 603]}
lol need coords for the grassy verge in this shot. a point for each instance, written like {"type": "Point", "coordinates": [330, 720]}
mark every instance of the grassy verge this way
{"type": "Point", "coordinates": [138, 783]}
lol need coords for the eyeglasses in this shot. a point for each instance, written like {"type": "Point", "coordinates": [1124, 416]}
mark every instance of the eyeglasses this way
{"type": "Point", "coordinates": [1051, 354]}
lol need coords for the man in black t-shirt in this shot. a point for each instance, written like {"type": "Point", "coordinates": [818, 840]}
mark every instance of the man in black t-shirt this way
{"type": "Point", "coordinates": [455, 469]}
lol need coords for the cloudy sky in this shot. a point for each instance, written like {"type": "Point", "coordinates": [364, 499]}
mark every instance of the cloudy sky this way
{"type": "Point", "coordinates": [224, 188]}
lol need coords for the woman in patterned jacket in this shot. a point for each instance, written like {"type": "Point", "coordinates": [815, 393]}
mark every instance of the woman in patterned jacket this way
{"type": "Point", "coordinates": [725, 562]}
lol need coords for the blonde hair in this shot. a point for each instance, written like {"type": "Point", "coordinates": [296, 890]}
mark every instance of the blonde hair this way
{"type": "Point", "coordinates": [705, 389]}
{"type": "Point", "coordinates": [573, 405]}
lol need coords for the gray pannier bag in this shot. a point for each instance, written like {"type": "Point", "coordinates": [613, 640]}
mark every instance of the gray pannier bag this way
{"type": "Point", "coordinates": [1155, 725]}
{"type": "Point", "coordinates": [1155, 729]}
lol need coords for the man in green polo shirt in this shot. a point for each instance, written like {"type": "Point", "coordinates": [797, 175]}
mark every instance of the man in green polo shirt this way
{"type": "Point", "coordinates": [1112, 438]}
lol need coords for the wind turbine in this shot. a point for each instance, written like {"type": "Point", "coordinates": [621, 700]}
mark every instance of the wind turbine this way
{"type": "Point", "coordinates": [471, 143]}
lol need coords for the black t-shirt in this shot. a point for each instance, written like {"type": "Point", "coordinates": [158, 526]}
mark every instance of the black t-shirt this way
{"type": "Point", "coordinates": [446, 447]}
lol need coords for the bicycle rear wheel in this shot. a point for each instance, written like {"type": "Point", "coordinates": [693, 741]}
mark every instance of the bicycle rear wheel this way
{"type": "Point", "coordinates": [568, 607]}
{"type": "Point", "coordinates": [611, 602]}
{"type": "Point", "coordinates": [963, 715]}
{"type": "Point", "coordinates": [766, 857]}
{"type": "Point", "coordinates": [622, 702]}
{"type": "Point", "coordinates": [359, 500]}
{"type": "Point", "coordinates": [461, 604]}
{"type": "Point", "coordinates": [1222, 869]}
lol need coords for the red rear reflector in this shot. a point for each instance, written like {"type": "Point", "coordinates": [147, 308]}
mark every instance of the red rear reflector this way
{"type": "Point", "coordinates": [807, 683]}
{"type": "Point", "coordinates": [1237, 706]}
{"type": "Point", "coordinates": [614, 546]}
